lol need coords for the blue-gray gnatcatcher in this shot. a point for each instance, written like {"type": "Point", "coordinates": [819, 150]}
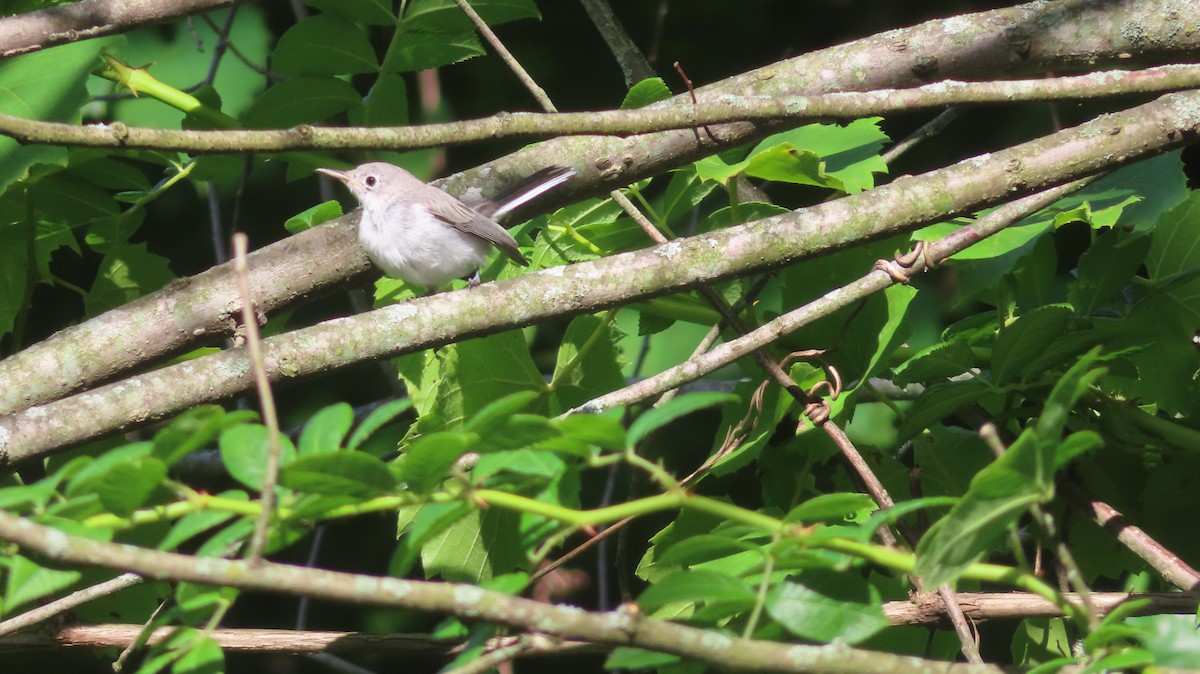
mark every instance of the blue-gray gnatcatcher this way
{"type": "Point", "coordinates": [418, 233]}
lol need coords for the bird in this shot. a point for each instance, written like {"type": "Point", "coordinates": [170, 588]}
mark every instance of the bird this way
{"type": "Point", "coordinates": [419, 234]}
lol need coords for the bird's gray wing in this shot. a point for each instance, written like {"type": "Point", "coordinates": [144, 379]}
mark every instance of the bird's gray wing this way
{"type": "Point", "coordinates": [457, 215]}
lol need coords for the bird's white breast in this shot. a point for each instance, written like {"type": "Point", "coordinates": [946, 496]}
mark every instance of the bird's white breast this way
{"type": "Point", "coordinates": [408, 243]}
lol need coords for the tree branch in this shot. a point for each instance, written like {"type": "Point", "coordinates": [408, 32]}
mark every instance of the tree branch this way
{"type": "Point", "coordinates": [323, 258]}
{"type": "Point", "coordinates": [617, 628]}
{"type": "Point", "coordinates": [634, 65]}
{"type": "Point", "coordinates": [24, 33]}
{"type": "Point", "coordinates": [903, 205]}
{"type": "Point", "coordinates": [722, 108]}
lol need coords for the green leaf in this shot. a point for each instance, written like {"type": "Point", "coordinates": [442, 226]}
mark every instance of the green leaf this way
{"type": "Point", "coordinates": [1022, 340]}
{"type": "Point", "coordinates": [370, 12]}
{"type": "Point", "coordinates": [471, 374]}
{"type": "Point", "coordinates": [428, 460]}
{"type": "Point", "coordinates": [202, 656]}
{"type": "Point", "coordinates": [301, 100]}
{"type": "Point", "coordinates": [950, 462]}
{"type": "Point", "coordinates": [28, 581]}
{"type": "Point", "coordinates": [601, 431]}
{"type": "Point", "coordinates": [324, 45]}
{"type": "Point", "coordinates": [378, 418]}
{"type": "Point", "coordinates": [695, 587]}
{"type": "Point", "coordinates": [1107, 267]}
{"type": "Point", "coordinates": [47, 85]}
{"type": "Point", "coordinates": [649, 90]}
{"type": "Point", "coordinates": [339, 473]}
{"type": "Point", "coordinates": [494, 414]}
{"type": "Point", "coordinates": [823, 605]}
{"type": "Point", "coordinates": [832, 508]}
{"type": "Point", "coordinates": [588, 363]}
{"type": "Point", "coordinates": [126, 273]}
{"type": "Point", "coordinates": [127, 486]}
{"type": "Point", "coordinates": [1175, 244]}
{"type": "Point", "coordinates": [311, 217]}
{"type": "Point", "coordinates": [195, 523]}
{"type": "Point", "coordinates": [940, 361]}
{"type": "Point", "coordinates": [385, 105]}
{"type": "Point", "coordinates": [634, 659]}
{"type": "Point", "coordinates": [326, 429]}
{"type": "Point", "coordinates": [193, 430]}
{"type": "Point", "coordinates": [244, 453]}
{"type": "Point", "coordinates": [679, 406]}
{"type": "Point", "coordinates": [848, 156]}
{"type": "Point", "coordinates": [413, 50]}
{"type": "Point", "coordinates": [475, 547]}
{"type": "Point", "coordinates": [940, 401]}
{"type": "Point", "coordinates": [444, 16]}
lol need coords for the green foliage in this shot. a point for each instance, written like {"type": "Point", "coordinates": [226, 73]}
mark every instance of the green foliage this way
{"type": "Point", "coordinates": [1069, 348]}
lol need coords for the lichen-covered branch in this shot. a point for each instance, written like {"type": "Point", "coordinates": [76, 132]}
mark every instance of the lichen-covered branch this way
{"type": "Point", "coordinates": [23, 33]}
{"type": "Point", "coordinates": [907, 203]}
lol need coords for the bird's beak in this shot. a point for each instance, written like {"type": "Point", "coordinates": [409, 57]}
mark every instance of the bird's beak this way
{"type": "Point", "coordinates": [341, 176]}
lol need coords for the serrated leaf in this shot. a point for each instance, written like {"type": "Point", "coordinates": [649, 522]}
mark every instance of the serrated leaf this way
{"type": "Point", "coordinates": [494, 414]}
{"type": "Point", "coordinates": [1175, 243]}
{"type": "Point", "coordinates": [442, 16]}
{"type": "Point", "coordinates": [47, 85]}
{"type": "Point", "coordinates": [413, 50]}
{"type": "Point", "coordinates": [475, 547]}
{"type": "Point", "coordinates": [28, 581]}
{"type": "Point", "coordinates": [649, 90]}
{"type": "Point", "coordinates": [310, 217]}
{"type": "Point", "coordinates": [324, 45]}
{"type": "Point", "coordinates": [370, 12]}
{"type": "Point", "coordinates": [823, 605]}
{"type": "Point", "coordinates": [679, 406]}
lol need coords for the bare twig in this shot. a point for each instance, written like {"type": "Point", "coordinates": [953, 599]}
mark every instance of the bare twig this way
{"type": "Point", "coordinates": [928, 130]}
{"type": "Point", "coordinates": [538, 93]}
{"type": "Point", "coordinates": [711, 110]}
{"type": "Point", "coordinates": [266, 399]}
{"type": "Point", "coordinates": [633, 64]}
{"type": "Point", "coordinates": [1168, 564]}
{"type": "Point", "coordinates": [80, 597]}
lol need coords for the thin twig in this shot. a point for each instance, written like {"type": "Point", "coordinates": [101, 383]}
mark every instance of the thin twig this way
{"type": "Point", "coordinates": [538, 93]}
{"type": "Point", "coordinates": [258, 541]}
{"type": "Point", "coordinates": [717, 108]}
{"type": "Point", "coordinates": [633, 63]}
{"type": "Point", "coordinates": [1173, 569]}
{"type": "Point", "coordinates": [77, 598]}
{"type": "Point", "coordinates": [928, 130]}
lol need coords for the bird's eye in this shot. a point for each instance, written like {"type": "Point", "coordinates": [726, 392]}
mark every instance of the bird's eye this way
{"type": "Point", "coordinates": [370, 181]}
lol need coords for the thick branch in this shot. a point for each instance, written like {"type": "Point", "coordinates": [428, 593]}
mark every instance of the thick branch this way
{"type": "Point", "coordinates": [32, 31]}
{"type": "Point", "coordinates": [966, 46]}
{"type": "Point", "coordinates": [720, 109]}
{"type": "Point", "coordinates": [624, 628]}
{"type": "Point", "coordinates": [977, 605]}
{"type": "Point", "coordinates": [906, 204]}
